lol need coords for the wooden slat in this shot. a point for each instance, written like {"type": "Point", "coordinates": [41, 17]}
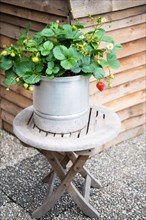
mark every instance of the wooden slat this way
{"type": "Point", "coordinates": [127, 101]}
{"type": "Point", "coordinates": [126, 135]}
{"type": "Point", "coordinates": [52, 6]}
{"type": "Point", "coordinates": [118, 5]}
{"type": "Point", "coordinates": [29, 14]}
{"type": "Point", "coordinates": [128, 34]}
{"type": "Point", "coordinates": [21, 22]}
{"type": "Point", "coordinates": [132, 111]}
{"type": "Point", "coordinates": [86, 191]}
{"type": "Point", "coordinates": [114, 16]}
{"type": "Point", "coordinates": [133, 122]}
{"type": "Point", "coordinates": [132, 47]}
{"type": "Point", "coordinates": [116, 92]}
{"type": "Point", "coordinates": [6, 41]}
{"type": "Point", "coordinates": [13, 31]}
{"type": "Point", "coordinates": [17, 99]}
{"type": "Point", "coordinates": [123, 23]}
{"type": "Point", "coordinates": [8, 127]}
{"type": "Point", "coordinates": [82, 8]}
{"type": "Point", "coordinates": [7, 117]}
{"type": "Point", "coordinates": [132, 61]}
{"type": "Point", "coordinates": [10, 107]}
{"type": "Point", "coordinates": [130, 21]}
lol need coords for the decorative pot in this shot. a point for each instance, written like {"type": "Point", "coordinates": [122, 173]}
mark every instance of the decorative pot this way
{"type": "Point", "coordinates": [61, 104]}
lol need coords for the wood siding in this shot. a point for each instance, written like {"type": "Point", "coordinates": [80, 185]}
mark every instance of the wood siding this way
{"type": "Point", "coordinates": [127, 97]}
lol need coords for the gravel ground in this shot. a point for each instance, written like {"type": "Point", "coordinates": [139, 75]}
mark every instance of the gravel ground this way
{"type": "Point", "coordinates": [120, 169]}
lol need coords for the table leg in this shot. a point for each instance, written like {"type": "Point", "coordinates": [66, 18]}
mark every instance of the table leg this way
{"type": "Point", "coordinates": [85, 172]}
{"type": "Point", "coordinates": [66, 184]}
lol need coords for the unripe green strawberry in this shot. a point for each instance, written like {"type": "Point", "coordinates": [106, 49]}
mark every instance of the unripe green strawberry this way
{"type": "Point", "coordinates": [74, 27]}
{"type": "Point", "coordinates": [25, 85]}
{"type": "Point", "coordinates": [17, 79]}
{"type": "Point", "coordinates": [111, 76]}
{"type": "Point", "coordinates": [25, 41]}
{"type": "Point", "coordinates": [35, 59]}
{"type": "Point", "coordinates": [12, 54]}
{"type": "Point", "coordinates": [30, 88]}
{"type": "Point", "coordinates": [110, 85]}
{"type": "Point", "coordinates": [4, 53]}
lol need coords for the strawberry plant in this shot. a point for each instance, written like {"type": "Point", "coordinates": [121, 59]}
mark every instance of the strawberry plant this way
{"type": "Point", "coordinates": [59, 51]}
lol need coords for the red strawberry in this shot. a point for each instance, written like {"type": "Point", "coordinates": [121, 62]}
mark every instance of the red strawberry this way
{"type": "Point", "coordinates": [100, 86]}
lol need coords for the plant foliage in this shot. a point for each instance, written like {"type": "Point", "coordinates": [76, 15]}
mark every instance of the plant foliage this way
{"type": "Point", "coordinates": [59, 51]}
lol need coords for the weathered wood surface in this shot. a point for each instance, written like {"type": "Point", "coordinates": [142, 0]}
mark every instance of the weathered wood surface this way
{"type": "Point", "coordinates": [84, 7]}
{"type": "Point", "coordinates": [52, 6]}
{"type": "Point", "coordinates": [30, 14]}
{"type": "Point", "coordinates": [66, 184]}
{"type": "Point", "coordinates": [127, 101]}
{"type": "Point", "coordinates": [16, 98]}
{"type": "Point", "coordinates": [105, 125]}
{"type": "Point", "coordinates": [114, 16]}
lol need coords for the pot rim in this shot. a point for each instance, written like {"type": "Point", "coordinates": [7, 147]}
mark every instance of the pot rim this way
{"type": "Point", "coordinates": [64, 79]}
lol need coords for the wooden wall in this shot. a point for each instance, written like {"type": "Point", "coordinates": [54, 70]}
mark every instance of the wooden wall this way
{"type": "Point", "coordinates": [127, 97]}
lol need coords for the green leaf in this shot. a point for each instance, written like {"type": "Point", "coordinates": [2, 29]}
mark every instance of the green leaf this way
{"type": "Point", "coordinates": [67, 28]}
{"type": "Point", "coordinates": [100, 33]}
{"type": "Point", "coordinates": [38, 38]}
{"type": "Point", "coordinates": [23, 35]}
{"type": "Point", "coordinates": [21, 67]}
{"type": "Point", "coordinates": [76, 69]}
{"type": "Point", "coordinates": [10, 79]}
{"type": "Point", "coordinates": [31, 43]}
{"type": "Point", "coordinates": [47, 33]}
{"type": "Point", "coordinates": [88, 69]}
{"type": "Point", "coordinates": [118, 46]}
{"type": "Point", "coordinates": [49, 71]}
{"type": "Point", "coordinates": [104, 63]}
{"type": "Point", "coordinates": [68, 63]}
{"type": "Point", "coordinates": [46, 48]}
{"type": "Point", "coordinates": [99, 73]}
{"type": "Point", "coordinates": [108, 39]}
{"type": "Point", "coordinates": [50, 57]}
{"type": "Point", "coordinates": [88, 75]}
{"type": "Point", "coordinates": [60, 52]}
{"type": "Point", "coordinates": [50, 76]}
{"type": "Point", "coordinates": [56, 69]}
{"type": "Point", "coordinates": [44, 52]}
{"type": "Point", "coordinates": [85, 60]}
{"type": "Point", "coordinates": [39, 67]}
{"type": "Point", "coordinates": [111, 56]}
{"type": "Point", "coordinates": [52, 68]}
{"type": "Point", "coordinates": [114, 64]}
{"type": "Point", "coordinates": [31, 77]}
{"type": "Point", "coordinates": [48, 45]}
{"type": "Point", "coordinates": [50, 65]}
{"type": "Point", "coordinates": [79, 25]}
{"type": "Point", "coordinates": [6, 63]}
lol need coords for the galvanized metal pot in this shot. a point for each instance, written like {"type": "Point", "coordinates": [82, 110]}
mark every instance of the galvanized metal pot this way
{"type": "Point", "coordinates": [61, 104]}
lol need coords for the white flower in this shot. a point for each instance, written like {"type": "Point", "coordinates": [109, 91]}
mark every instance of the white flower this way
{"type": "Point", "coordinates": [103, 20]}
{"type": "Point", "coordinates": [82, 36]}
{"type": "Point", "coordinates": [110, 46]}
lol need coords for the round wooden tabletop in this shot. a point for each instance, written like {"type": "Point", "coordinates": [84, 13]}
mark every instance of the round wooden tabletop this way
{"type": "Point", "coordinates": [103, 126]}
